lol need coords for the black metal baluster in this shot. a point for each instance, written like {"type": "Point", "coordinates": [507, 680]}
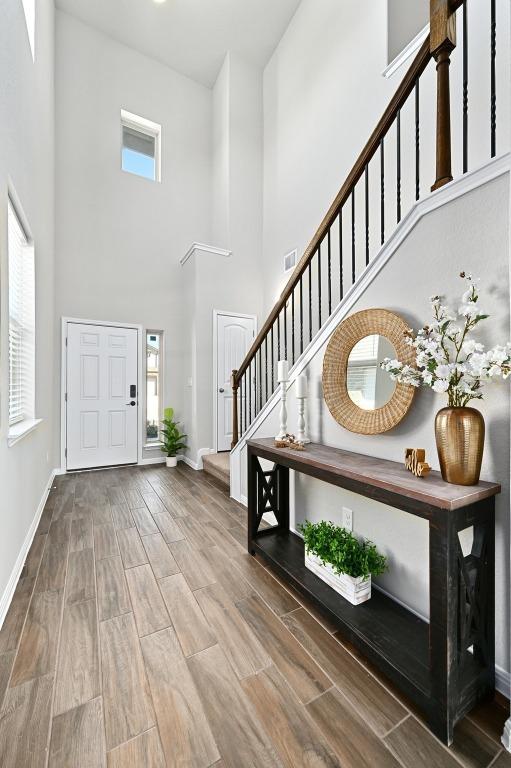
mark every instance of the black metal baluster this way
{"type": "Point", "coordinates": [318, 252]}
{"type": "Point", "coordinates": [245, 403]}
{"type": "Point", "coordinates": [493, 78]}
{"type": "Point", "coordinates": [353, 247]}
{"type": "Point", "coordinates": [367, 212]}
{"type": "Point", "coordinates": [285, 331]}
{"type": "Point", "coordinates": [240, 389]}
{"type": "Point", "coordinates": [341, 271]}
{"type": "Point", "coordinates": [250, 392]}
{"type": "Point", "coordinates": [382, 191]}
{"type": "Point", "coordinates": [301, 314]}
{"type": "Point", "coordinates": [293, 327]}
{"type": "Point", "coordinates": [417, 140]}
{"type": "Point", "coordinates": [465, 87]}
{"type": "Point", "coordinates": [278, 337]}
{"type": "Point", "coordinates": [272, 359]}
{"type": "Point", "coordinates": [310, 300]}
{"type": "Point", "coordinates": [266, 368]}
{"type": "Point", "coordinates": [398, 165]}
{"type": "Point", "coordinates": [329, 267]}
{"type": "Point", "coordinates": [260, 379]}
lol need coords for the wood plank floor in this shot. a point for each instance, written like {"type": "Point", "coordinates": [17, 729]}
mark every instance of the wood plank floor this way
{"type": "Point", "coordinates": [142, 635]}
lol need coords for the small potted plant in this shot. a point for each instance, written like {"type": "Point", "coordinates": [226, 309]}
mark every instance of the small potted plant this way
{"type": "Point", "coordinates": [341, 560]}
{"type": "Point", "coordinates": [173, 440]}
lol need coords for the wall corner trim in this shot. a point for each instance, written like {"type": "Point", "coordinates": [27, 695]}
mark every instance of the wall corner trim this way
{"type": "Point", "coordinates": [203, 248]}
{"type": "Point", "coordinates": [407, 52]}
{"type": "Point", "coordinates": [5, 600]}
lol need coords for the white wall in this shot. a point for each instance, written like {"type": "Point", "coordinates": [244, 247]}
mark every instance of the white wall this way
{"type": "Point", "coordinates": [460, 235]}
{"type": "Point", "coordinates": [232, 284]}
{"type": "Point", "coordinates": [119, 237]}
{"type": "Point", "coordinates": [405, 21]}
{"type": "Point", "coordinates": [321, 104]}
{"type": "Point", "coordinates": [26, 170]}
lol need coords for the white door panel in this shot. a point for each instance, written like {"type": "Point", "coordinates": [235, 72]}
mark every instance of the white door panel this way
{"type": "Point", "coordinates": [234, 338]}
{"type": "Point", "coordinates": [102, 365]}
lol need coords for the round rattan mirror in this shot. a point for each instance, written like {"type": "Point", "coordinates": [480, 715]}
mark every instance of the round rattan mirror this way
{"type": "Point", "coordinates": [359, 395]}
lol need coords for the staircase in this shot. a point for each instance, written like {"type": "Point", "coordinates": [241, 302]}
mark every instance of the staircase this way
{"type": "Point", "coordinates": [380, 195]}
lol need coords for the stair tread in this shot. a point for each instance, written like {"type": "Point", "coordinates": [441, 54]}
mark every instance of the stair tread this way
{"type": "Point", "coordinates": [218, 465]}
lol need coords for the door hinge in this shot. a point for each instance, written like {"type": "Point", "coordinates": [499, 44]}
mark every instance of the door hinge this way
{"type": "Point", "coordinates": [65, 397]}
{"type": "Point", "coordinates": [66, 341]}
{"type": "Point", "coordinates": [65, 453]}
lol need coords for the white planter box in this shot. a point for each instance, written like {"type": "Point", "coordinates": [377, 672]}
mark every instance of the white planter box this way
{"type": "Point", "coordinates": [171, 461]}
{"type": "Point", "coordinates": [356, 591]}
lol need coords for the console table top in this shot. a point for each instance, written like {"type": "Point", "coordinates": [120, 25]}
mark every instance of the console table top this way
{"type": "Point", "coordinates": [380, 473]}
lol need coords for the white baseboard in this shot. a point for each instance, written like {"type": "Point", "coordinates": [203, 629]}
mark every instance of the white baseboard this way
{"type": "Point", "coordinates": [506, 736]}
{"type": "Point", "coordinates": [203, 452]}
{"type": "Point", "coordinates": [502, 681]}
{"type": "Point", "coordinates": [190, 462]}
{"type": "Point", "coordinates": [6, 598]}
{"type": "Point", "coordinates": [197, 465]}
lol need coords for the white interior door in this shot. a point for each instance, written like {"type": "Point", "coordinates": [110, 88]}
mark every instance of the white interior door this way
{"type": "Point", "coordinates": [102, 396]}
{"type": "Point", "coordinates": [235, 335]}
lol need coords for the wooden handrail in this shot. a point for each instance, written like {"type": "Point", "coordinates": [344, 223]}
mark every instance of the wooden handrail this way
{"type": "Point", "coordinates": [397, 102]}
{"type": "Point", "coordinates": [438, 45]}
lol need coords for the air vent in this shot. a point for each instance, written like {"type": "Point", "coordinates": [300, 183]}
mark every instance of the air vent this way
{"type": "Point", "coordinates": [290, 260]}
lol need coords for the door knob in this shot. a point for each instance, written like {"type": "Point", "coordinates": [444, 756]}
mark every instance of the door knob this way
{"type": "Point", "coordinates": [221, 389]}
{"type": "Point", "coordinates": [131, 403]}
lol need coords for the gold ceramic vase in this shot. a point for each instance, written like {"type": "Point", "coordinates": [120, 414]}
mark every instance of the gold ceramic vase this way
{"type": "Point", "coordinates": [459, 436]}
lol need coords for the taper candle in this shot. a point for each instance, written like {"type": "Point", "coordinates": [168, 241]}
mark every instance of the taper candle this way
{"type": "Point", "coordinates": [282, 371]}
{"type": "Point", "coordinates": [301, 386]}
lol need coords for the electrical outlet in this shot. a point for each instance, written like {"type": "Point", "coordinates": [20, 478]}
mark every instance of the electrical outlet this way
{"type": "Point", "coordinates": [347, 518]}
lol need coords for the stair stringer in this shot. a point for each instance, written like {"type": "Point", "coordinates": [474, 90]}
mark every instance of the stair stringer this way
{"type": "Point", "coordinates": [266, 423]}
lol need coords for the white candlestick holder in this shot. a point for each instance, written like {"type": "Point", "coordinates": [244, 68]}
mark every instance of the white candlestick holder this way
{"type": "Point", "coordinates": [302, 435]}
{"type": "Point", "coordinates": [283, 411]}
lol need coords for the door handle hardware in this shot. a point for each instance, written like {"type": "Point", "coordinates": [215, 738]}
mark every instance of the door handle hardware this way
{"type": "Point", "coordinates": [131, 403]}
{"type": "Point", "coordinates": [221, 390]}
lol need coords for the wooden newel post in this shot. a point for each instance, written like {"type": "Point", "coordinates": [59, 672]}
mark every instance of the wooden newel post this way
{"type": "Point", "coordinates": [234, 409]}
{"type": "Point", "coordinates": [442, 43]}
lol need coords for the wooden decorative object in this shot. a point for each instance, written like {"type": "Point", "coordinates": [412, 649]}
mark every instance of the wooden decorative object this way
{"type": "Point", "coordinates": [415, 462]}
{"type": "Point", "coordinates": [335, 366]}
{"type": "Point", "coordinates": [289, 441]}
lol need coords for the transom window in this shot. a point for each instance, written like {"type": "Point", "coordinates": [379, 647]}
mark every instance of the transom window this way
{"type": "Point", "coordinates": [21, 320]}
{"type": "Point", "coordinates": [141, 141]}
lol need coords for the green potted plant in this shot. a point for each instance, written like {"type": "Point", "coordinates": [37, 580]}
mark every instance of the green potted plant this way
{"type": "Point", "coordinates": [173, 440]}
{"type": "Point", "coordinates": [341, 560]}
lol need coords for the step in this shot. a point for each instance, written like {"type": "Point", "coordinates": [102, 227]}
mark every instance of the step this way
{"type": "Point", "coordinates": [217, 465]}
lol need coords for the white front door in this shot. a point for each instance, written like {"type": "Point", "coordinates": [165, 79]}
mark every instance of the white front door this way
{"type": "Point", "coordinates": [235, 334]}
{"type": "Point", "coordinates": [102, 395]}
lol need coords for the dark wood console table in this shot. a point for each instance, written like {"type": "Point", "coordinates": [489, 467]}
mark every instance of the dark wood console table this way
{"type": "Point", "coordinates": [446, 666]}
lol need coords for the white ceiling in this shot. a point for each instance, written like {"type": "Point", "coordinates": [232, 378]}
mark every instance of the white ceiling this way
{"type": "Point", "coordinates": [191, 36]}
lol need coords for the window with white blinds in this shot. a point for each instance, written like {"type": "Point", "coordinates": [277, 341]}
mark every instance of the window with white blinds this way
{"type": "Point", "coordinates": [21, 321]}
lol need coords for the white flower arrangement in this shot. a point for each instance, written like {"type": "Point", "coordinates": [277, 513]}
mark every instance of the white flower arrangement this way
{"type": "Point", "coordinates": [446, 359]}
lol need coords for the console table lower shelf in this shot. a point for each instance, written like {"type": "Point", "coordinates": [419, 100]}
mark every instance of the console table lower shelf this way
{"type": "Point", "coordinates": [446, 666]}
